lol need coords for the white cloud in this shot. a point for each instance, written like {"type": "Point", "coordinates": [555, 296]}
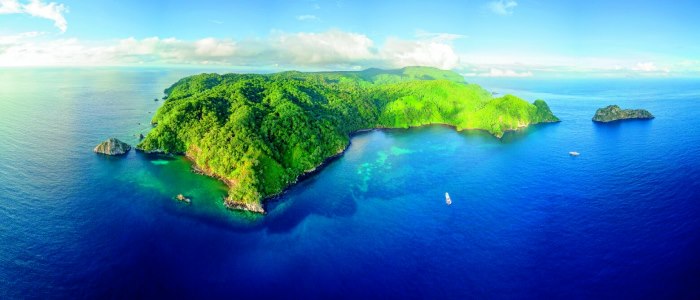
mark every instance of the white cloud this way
{"type": "Point", "coordinates": [211, 47]}
{"type": "Point", "coordinates": [645, 67]}
{"type": "Point", "coordinates": [480, 64]}
{"type": "Point", "coordinates": [11, 39]}
{"type": "Point", "coordinates": [494, 72]}
{"type": "Point", "coordinates": [502, 7]}
{"type": "Point", "coordinates": [10, 7]}
{"type": "Point", "coordinates": [325, 48]}
{"type": "Point", "coordinates": [439, 36]}
{"type": "Point", "coordinates": [36, 8]}
{"type": "Point", "coordinates": [307, 18]}
{"type": "Point", "coordinates": [51, 11]}
{"type": "Point", "coordinates": [401, 53]}
{"type": "Point", "coordinates": [333, 49]}
{"type": "Point", "coordinates": [165, 51]}
{"type": "Point", "coordinates": [329, 50]}
{"type": "Point", "coordinates": [650, 68]}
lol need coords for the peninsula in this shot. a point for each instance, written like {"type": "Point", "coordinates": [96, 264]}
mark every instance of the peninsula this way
{"type": "Point", "coordinates": [259, 133]}
{"type": "Point", "coordinates": [615, 113]}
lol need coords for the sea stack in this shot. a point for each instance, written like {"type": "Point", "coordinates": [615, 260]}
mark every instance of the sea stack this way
{"type": "Point", "coordinates": [112, 146]}
{"type": "Point", "coordinates": [615, 113]}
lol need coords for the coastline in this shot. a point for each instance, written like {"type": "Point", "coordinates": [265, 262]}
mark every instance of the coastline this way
{"type": "Point", "coordinates": [499, 137]}
{"type": "Point", "coordinates": [260, 206]}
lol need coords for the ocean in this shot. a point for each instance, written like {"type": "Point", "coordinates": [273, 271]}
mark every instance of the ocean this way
{"type": "Point", "coordinates": [622, 220]}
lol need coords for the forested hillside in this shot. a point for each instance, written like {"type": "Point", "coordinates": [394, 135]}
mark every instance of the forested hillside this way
{"type": "Point", "coordinates": [259, 133]}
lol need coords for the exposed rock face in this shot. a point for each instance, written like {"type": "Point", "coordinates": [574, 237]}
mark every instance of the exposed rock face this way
{"type": "Point", "coordinates": [614, 113]}
{"type": "Point", "coordinates": [112, 146]}
{"type": "Point", "coordinates": [237, 205]}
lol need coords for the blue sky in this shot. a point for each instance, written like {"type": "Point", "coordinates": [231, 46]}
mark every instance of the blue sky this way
{"type": "Point", "coordinates": [477, 38]}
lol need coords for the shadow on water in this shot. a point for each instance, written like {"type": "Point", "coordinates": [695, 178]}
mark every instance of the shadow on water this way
{"type": "Point", "coordinates": [236, 221]}
{"type": "Point", "coordinates": [481, 135]}
{"type": "Point", "coordinates": [300, 201]}
{"type": "Point", "coordinates": [621, 123]}
{"type": "Point", "coordinates": [517, 135]}
{"type": "Point", "coordinates": [157, 156]}
{"type": "Point", "coordinates": [293, 208]}
{"type": "Point", "coordinates": [618, 127]}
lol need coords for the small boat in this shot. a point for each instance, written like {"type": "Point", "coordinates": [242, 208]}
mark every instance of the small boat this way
{"type": "Point", "coordinates": [448, 200]}
{"type": "Point", "coordinates": [574, 153]}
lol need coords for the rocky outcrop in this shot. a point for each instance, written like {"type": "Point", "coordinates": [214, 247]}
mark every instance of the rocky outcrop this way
{"type": "Point", "coordinates": [182, 198]}
{"type": "Point", "coordinates": [615, 113]}
{"type": "Point", "coordinates": [238, 205]}
{"type": "Point", "coordinates": [112, 146]}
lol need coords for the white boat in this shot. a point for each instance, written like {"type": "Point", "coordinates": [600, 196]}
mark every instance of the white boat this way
{"type": "Point", "coordinates": [448, 200]}
{"type": "Point", "coordinates": [574, 153]}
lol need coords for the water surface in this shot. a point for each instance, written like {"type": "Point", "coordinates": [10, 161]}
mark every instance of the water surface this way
{"type": "Point", "coordinates": [527, 220]}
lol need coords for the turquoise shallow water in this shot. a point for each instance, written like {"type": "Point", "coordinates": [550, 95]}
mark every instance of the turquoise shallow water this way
{"type": "Point", "coordinates": [527, 220]}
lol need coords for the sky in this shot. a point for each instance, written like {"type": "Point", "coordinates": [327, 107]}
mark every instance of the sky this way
{"type": "Point", "coordinates": [489, 38]}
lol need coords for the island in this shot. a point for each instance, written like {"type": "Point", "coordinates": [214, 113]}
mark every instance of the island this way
{"type": "Point", "coordinates": [112, 146]}
{"type": "Point", "coordinates": [615, 113]}
{"type": "Point", "coordinates": [182, 198]}
{"type": "Point", "coordinates": [259, 133]}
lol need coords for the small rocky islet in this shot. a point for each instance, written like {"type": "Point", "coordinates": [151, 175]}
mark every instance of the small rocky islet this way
{"type": "Point", "coordinates": [112, 146]}
{"type": "Point", "coordinates": [613, 113]}
{"type": "Point", "coordinates": [182, 198]}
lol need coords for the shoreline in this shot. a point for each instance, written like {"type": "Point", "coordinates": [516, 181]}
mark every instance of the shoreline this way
{"type": "Point", "coordinates": [260, 207]}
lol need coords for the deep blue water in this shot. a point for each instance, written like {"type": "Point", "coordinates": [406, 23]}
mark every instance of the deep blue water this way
{"type": "Point", "coordinates": [527, 220]}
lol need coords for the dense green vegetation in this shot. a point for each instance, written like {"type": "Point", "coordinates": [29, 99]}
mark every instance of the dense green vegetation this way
{"type": "Point", "coordinates": [259, 133]}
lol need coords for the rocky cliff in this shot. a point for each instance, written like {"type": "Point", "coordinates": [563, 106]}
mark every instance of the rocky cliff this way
{"type": "Point", "coordinates": [112, 146]}
{"type": "Point", "coordinates": [614, 113]}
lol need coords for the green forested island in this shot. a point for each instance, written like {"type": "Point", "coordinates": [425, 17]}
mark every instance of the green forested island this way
{"type": "Point", "coordinates": [259, 133]}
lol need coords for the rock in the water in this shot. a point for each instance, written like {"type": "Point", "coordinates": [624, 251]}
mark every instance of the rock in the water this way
{"type": "Point", "coordinates": [182, 198]}
{"type": "Point", "coordinates": [112, 146]}
{"type": "Point", "coordinates": [141, 136]}
{"type": "Point", "coordinates": [614, 113]}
